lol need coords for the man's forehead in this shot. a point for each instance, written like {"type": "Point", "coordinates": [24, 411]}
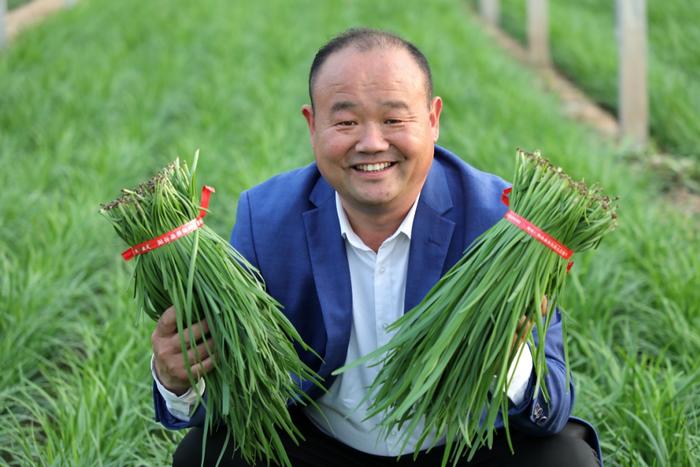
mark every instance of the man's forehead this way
{"type": "Point", "coordinates": [378, 57]}
{"type": "Point", "coordinates": [390, 68]}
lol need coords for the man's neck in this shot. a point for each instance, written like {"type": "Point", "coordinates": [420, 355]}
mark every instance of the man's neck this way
{"type": "Point", "coordinates": [375, 226]}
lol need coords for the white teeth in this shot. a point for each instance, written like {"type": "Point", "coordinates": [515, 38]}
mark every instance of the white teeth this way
{"type": "Point", "coordinates": [373, 167]}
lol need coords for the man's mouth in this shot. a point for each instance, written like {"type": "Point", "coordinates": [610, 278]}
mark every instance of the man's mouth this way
{"type": "Point", "coordinates": [376, 167]}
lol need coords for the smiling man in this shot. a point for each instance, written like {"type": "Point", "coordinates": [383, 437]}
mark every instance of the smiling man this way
{"type": "Point", "coordinates": [373, 125]}
{"type": "Point", "coordinates": [349, 243]}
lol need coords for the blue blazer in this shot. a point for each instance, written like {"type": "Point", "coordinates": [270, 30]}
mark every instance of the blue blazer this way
{"type": "Point", "coordinates": [288, 228]}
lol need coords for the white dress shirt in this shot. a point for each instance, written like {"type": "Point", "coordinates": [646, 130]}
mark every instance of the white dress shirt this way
{"type": "Point", "coordinates": [378, 282]}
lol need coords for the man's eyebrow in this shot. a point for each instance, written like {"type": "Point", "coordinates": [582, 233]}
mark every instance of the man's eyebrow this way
{"type": "Point", "coordinates": [342, 105]}
{"type": "Point", "coordinates": [395, 105]}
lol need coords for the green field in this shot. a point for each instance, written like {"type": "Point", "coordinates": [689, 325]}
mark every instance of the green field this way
{"type": "Point", "coordinates": [583, 45]}
{"type": "Point", "coordinates": [103, 94]}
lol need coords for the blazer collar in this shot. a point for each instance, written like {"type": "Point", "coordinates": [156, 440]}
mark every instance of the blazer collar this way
{"type": "Point", "coordinates": [436, 193]}
{"type": "Point", "coordinates": [432, 234]}
{"type": "Point", "coordinates": [322, 193]}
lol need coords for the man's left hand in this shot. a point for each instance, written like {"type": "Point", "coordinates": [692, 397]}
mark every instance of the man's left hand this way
{"type": "Point", "coordinates": [527, 324]}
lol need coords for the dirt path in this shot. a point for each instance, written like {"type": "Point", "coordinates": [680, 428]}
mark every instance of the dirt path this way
{"type": "Point", "coordinates": [575, 103]}
{"type": "Point", "coordinates": [20, 18]}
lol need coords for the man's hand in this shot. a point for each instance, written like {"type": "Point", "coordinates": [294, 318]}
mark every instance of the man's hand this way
{"type": "Point", "coordinates": [169, 359]}
{"type": "Point", "coordinates": [519, 337]}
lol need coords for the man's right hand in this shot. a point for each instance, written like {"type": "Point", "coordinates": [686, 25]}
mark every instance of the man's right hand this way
{"type": "Point", "coordinates": [169, 359]}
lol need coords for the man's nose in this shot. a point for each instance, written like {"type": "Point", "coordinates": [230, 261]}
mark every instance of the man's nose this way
{"type": "Point", "coordinates": [371, 139]}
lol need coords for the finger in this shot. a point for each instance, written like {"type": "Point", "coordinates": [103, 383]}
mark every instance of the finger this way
{"type": "Point", "coordinates": [521, 322]}
{"type": "Point", "coordinates": [164, 338]}
{"type": "Point", "coordinates": [201, 352]}
{"type": "Point", "coordinates": [524, 323]}
{"type": "Point", "coordinates": [530, 325]}
{"type": "Point", "coordinates": [528, 329]}
{"type": "Point", "coordinates": [167, 323]}
{"type": "Point", "coordinates": [544, 307]}
{"type": "Point", "coordinates": [203, 367]}
{"type": "Point", "coordinates": [196, 331]}
{"type": "Point", "coordinates": [518, 337]}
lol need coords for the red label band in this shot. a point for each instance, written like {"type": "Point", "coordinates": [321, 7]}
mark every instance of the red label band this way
{"type": "Point", "coordinates": [537, 233]}
{"type": "Point", "coordinates": [534, 231]}
{"type": "Point", "coordinates": [178, 232]}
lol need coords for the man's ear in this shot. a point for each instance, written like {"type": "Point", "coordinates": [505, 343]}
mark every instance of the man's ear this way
{"type": "Point", "coordinates": [308, 112]}
{"type": "Point", "coordinates": [435, 110]}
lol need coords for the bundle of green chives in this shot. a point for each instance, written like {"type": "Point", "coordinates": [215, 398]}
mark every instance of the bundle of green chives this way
{"type": "Point", "coordinates": [205, 278]}
{"type": "Point", "coordinates": [449, 361]}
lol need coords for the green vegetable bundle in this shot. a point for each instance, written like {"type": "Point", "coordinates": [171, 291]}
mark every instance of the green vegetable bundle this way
{"type": "Point", "coordinates": [450, 357]}
{"type": "Point", "coordinates": [205, 278]}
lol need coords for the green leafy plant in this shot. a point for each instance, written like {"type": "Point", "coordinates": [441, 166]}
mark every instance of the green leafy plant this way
{"type": "Point", "coordinates": [205, 278]}
{"type": "Point", "coordinates": [449, 361]}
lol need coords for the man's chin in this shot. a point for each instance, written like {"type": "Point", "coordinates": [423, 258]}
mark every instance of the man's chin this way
{"type": "Point", "coordinates": [374, 201]}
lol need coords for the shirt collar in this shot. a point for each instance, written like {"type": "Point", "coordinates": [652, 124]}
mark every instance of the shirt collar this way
{"type": "Point", "coordinates": [406, 226]}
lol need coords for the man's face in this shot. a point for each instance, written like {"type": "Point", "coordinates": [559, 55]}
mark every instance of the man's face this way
{"type": "Point", "coordinates": [372, 127]}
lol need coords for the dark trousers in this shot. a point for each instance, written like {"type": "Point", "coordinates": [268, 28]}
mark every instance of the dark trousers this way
{"type": "Point", "coordinates": [567, 448]}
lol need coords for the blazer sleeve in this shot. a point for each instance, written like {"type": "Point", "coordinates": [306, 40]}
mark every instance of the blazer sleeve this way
{"type": "Point", "coordinates": [535, 415]}
{"type": "Point", "coordinates": [171, 422]}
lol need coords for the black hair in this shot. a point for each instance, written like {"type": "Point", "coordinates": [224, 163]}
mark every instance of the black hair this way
{"type": "Point", "coordinates": [365, 39]}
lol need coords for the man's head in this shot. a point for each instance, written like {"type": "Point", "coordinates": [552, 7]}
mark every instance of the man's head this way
{"type": "Point", "coordinates": [364, 39]}
{"type": "Point", "coordinates": [373, 122]}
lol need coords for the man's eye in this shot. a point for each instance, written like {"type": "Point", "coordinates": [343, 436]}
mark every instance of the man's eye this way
{"type": "Point", "coordinates": [392, 121]}
{"type": "Point", "coordinates": [346, 123]}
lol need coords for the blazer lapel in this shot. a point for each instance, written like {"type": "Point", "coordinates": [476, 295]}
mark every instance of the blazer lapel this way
{"type": "Point", "coordinates": [430, 237]}
{"type": "Point", "coordinates": [331, 273]}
